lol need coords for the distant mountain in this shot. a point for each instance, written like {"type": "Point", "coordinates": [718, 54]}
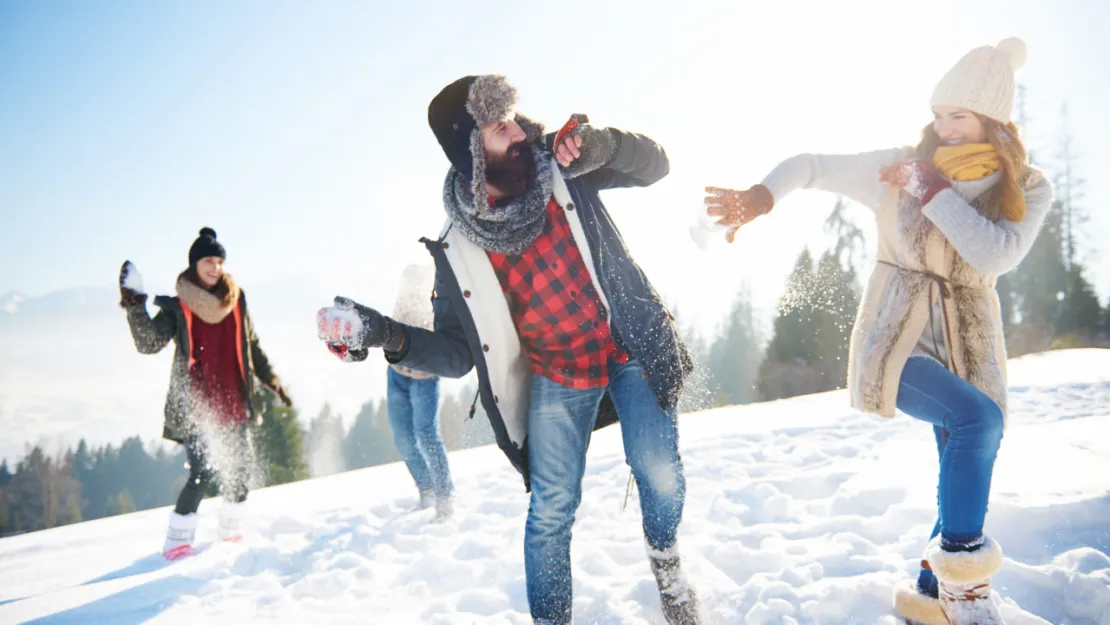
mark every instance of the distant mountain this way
{"type": "Point", "coordinates": [10, 302]}
{"type": "Point", "coordinates": [86, 301]}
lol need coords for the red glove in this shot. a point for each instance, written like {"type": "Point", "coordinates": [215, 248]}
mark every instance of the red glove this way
{"type": "Point", "coordinates": [916, 178]}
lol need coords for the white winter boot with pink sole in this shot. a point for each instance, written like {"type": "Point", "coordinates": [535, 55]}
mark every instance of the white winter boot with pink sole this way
{"type": "Point", "coordinates": [230, 528]}
{"type": "Point", "coordinates": [180, 536]}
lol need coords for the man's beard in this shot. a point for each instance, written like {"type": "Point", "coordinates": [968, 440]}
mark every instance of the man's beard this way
{"type": "Point", "coordinates": [513, 172]}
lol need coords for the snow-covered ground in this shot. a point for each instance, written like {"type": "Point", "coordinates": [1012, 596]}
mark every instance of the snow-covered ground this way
{"type": "Point", "coordinates": [799, 511]}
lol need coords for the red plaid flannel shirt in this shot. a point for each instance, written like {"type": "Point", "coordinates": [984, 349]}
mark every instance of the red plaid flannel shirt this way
{"type": "Point", "coordinates": [559, 317]}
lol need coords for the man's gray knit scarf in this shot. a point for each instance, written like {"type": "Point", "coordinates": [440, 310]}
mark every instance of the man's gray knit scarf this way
{"type": "Point", "coordinates": [508, 229]}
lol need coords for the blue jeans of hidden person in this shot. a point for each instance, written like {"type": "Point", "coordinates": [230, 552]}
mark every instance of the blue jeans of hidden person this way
{"type": "Point", "coordinates": [414, 418]}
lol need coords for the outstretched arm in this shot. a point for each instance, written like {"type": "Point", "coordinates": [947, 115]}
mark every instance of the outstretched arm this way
{"type": "Point", "coordinates": [351, 330]}
{"type": "Point", "coordinates": [853, 175]}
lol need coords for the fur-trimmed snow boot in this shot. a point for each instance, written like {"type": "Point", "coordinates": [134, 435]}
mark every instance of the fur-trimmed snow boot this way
{"type": "Point", "coordinates": [680, 602]}
{"type": "Point", "coordinates": [964, 581]}
{"type": "Point", "coordinates": [180, 536]}
{"type": "Point", "coordinates": [230, 528]}
{"type": "Point", "coordinates": [916, 607]}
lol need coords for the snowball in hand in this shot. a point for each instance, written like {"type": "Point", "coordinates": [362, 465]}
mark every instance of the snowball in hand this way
{"type": "Point", "coordinates": [132, 280]}
{"type": "Point", "coordinates": [339, 326]}
{"type": "Point", "coordinates": [707, 234]}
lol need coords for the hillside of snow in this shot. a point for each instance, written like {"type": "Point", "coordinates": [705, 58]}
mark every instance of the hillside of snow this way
{"type": "Point", "coordinates": [798, 512]}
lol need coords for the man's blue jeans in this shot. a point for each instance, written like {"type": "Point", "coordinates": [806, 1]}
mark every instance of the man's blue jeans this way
{"type": "Point", "coordinates": [968, 429]}
{"type": "Point", "coordinates": [560, 421]}
{"type": "Point", "coordinates": [414, 418]}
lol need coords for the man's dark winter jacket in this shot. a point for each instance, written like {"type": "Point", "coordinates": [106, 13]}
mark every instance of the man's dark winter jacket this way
{"type": "Point", "coordinates": [473, 326]}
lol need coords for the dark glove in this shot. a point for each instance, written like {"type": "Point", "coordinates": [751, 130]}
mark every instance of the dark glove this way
{"type": "Point", "coordinates": [581, 148]}
{"type": "Point", "coordinates": [130, 286]}
{"type": "Point", "coordinates": [355, 327]}
{"type": "Point", "coordinates": [283, 396]}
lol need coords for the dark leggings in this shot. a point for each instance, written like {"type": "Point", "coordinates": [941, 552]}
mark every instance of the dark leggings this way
{"type": "Point", "coordinates": [229, 457]}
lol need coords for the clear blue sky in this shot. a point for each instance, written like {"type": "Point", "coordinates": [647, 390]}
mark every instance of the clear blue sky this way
{"type": "Point", "coordinates": [298, 130]}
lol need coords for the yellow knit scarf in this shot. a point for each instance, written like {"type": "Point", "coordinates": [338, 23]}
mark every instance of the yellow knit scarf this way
{"type": "Point", "coordinates": [972, 161]}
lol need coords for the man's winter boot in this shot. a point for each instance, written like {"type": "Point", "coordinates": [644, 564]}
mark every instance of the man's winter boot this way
{"type": "Point", "coordinates": [680, 602]}
{"type": "Point", "coordinates": [230, 528]}
{"type": "Point", "coordinates": [180, 536]}
{"type": "Point", "coordinates": [916, 607]}
{"type": "Point", "coordinates": [445, 509]}
{"type": "Point", "coordinates": [427, 499]}
{"type": "Point", "coordinates": [964, 580]}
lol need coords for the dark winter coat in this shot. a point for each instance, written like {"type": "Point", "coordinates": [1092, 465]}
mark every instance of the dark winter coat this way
{"type": "Point", "coordinates": [152, 335]}
{"type": "Point", "coordinates": [473, 326]}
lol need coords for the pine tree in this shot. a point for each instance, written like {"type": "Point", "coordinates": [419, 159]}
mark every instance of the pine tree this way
{"type": "Point", "coordinates": [1105, 330]}
{"type": "Point", "coordinates": [786, 370]}
{"type": "Point", "coordinates": [385, 451]}
{"type": "Point", "coordinates": [369, 442]}
{"type": "Point", "coordinates": [837, 294]}
{"type": "Point", "coordinates": [29, 489]}
{"type": "Point", "coordinates": [697, 392]}
{"type": "Point", "coordinates": [733, 359]}
{"type": "Point", "coordinates": [124, 502]}
{"type": "Point", "coordinates": [1069, 191]}
{"type": "Point", "coordinates": [5, 513]}
{"type": "Point", "coordinates": [325, 444]}
{"type": "Point", "coordinates": [358, 445]}
{"type": "Point", "coordinates": [834, 316]}
{"type": "Point", "coordinates": [452, 421]}
{"type": "Point", "coordinates": [1039, 283]}
{"type": "Point", "coordinates": [279, 442]}
{"type": "Point", "coordinates": [1082, 313]}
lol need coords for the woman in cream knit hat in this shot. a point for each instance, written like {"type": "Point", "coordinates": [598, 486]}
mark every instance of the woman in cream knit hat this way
{"type": "Point", "coordinates": [953, 213]}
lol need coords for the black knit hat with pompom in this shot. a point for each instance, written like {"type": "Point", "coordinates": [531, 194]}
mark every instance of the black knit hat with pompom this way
{"type": "Point", "coordinates": [206, 245]}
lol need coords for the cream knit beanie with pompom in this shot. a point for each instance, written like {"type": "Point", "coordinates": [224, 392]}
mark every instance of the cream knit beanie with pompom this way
{"type": "Point", "coordinates": [983, 81]}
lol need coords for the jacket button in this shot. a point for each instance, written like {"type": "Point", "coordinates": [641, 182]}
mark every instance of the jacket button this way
{"type": "Point", "coordinates": [496, 399]}
{"type": "Point", "coordinates": [466, 293]}
{"type": "Point", "coordinates": [446, 245]}
{"type": "Point", "coordinates": [485, 348]}
{"type": "Point", "coordinates": [570, 206]}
